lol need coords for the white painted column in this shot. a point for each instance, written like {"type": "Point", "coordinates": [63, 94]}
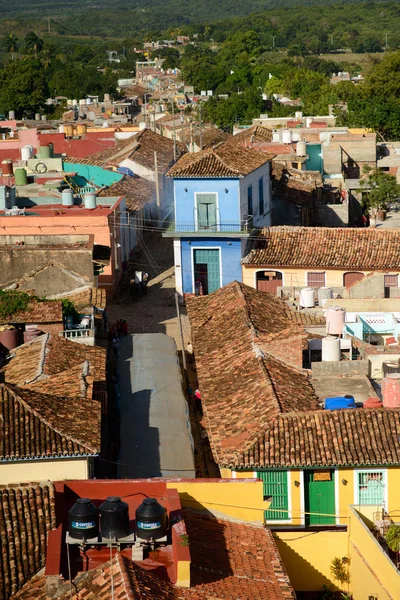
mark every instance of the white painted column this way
{"type": "Point", "coordinates": [178, 266]}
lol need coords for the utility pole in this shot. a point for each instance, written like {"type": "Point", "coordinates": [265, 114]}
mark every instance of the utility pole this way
{"type": "Point", "coordinates": [178, 314]}
{"type": "Point", "coordinates": [157, 182]}
{"type": "Point", "coordinates": [182, 122]}
{"type": "Point", "coordinates": [48, 18]}
{"type": "Point", "coordinates": [201, 130]}
{"type": "Point", "coordinates": [191, 136]}
{"type": "Point", "coordinates": [173, 127]}
{"type": "Point", "coordinates": [116, 265]}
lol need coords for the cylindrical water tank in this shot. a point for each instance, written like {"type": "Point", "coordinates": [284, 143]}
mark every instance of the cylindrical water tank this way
{"type": "Point", "coordinates": [61, 129]}
{"type": "Point", "coordinates": [21, 177]}
{"type": "Point", "coordinates": [69, 102]}
{"type": "Point", "coordinates": [308, 121]}
{"type": "Point", "coordinates": [68, 130]}
{"type": "Point", "coordinates": [7, 166]}
{"type": "Point", "coordinates": [276, 136]}
{"type": "Point", "coordinates": [67, 197]}
{"type": "Point", "coordinates": [44, 117]}
{"type": "Point", "coordinates": [391, 390]}
{"type": "Point", "coordinates": [82, 102]}
{"type": "Point", "coordinates": [372, 403]}
{"type": "Point", "coordinates": [74, 102]}
{"type": "Point", "coordinates": [330, 349]}
{"type": "Point", "coordinates": [301, 148]}
{"type": "Point", "coordinates": [307, 297]}
{"type": "Point", "coordinates": [26, 152]}
{"type": "Point", "coordinates": [296, 136]}
{"type": "Point", "coordinates": [335, 319]}
{"type": "Point", "coordinates": [83, 520]}
{"type": "Point", "coordinates": [390, 366]}
{"type": "Point", "coordinates": [114, 518]}
{"type": "Point", "coordinates": [9, 338]}
{"type": "Point", "coordinates": [81, 129]}
{"type": "Point", "coordinates": [298, 114]}
{"type": "Point", "coordinates": [286, 136]}
{"type": "Point", "coordinates": [90, 200]}
{"type": "Point", "coordinates": [151, 520]}
{"type": "Point", "coordinates": [324, 293]}
{"type": "Point", "coordinates": [11, 115]}
{"type": "Point", "coordinates": [44, 152]}
{"type": "Point", "coordinates": [31, 334]}
{"type": "Point", "coordinates": [107, 98]}
{"type": "Point", "coordinates": [105, 124]}
{"type": "Point", "coordinates": [37, 116]}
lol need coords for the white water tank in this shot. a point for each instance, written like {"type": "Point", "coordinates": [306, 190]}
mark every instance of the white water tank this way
{"type": "Point", "coordinates": [69, 102]}
{"type": "Point", "coordinates": [324, 293]}
{"type": "Point", "coordinates": [296, 136]}
{"type": "Point", "coordinates": [330, 349]}
{"type": "Point", "coordinates": [301, 148]}
{"type": "Point", "coordinates": [11, 115]}
{"type": "Point", "coordinates": [286, 136]}
{"type": "Point", "coordinates": [37, 116]}
{"type": "Point", "coordinates": [307, 297]}
{"type": "Point", "coordinates": [88, 101]}
{"type": "Point", "coordinates": [74, 102]}
{"type": "Point", "coordinates": [67, 197]}
{"type": "Point", "coordinates": [107, 98]}
{"type": "Point", "coordinates": [90, 200]}
{"type": "Point", "coordinates": [276, 136]}
{"type": "Point", "coordinates": [105, 124]}
{"type": "Point", "coordinates": [335, 320]}
{"type": "Point", "coordinates": [298, 115]}
{"type": "Point", "coordinates": [308, 121]}
{"type": "Point", "coordinates": [26, 153]}
{"type": "Point", "coordinates": [61, 129]}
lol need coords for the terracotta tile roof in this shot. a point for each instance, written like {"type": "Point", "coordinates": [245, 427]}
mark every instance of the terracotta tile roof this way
{"type": "Point", "coordinates": [27, 514]}
{"type": "Point", "coordinates": [138, 191]}
{"type": "Point", "coordinates": [76, 382]}
{"type": "Point", "coordinates": [211, 136]}
{"type": "Point", "coordinates": [27, 362]}
{"type": "Point", "coordinates": [34, 425]}
{"type": "Point", "coordinates": [256, 134]}
{"type": "Point", "coordinates": [87, 298]}
{"type": "Point", "coordinates": [38, 312]}
{"type": "Point", "coordinates": [226, 160]}
{"type": "Point", "coordinates": [233, 561]}
{"type": "Point", "coordinates": [140, 148]}
{"type": "Point", "coordinates": [87, 161]}
{"type": "Point", "coordinates": [63, 354]}
{"type": "Point", "coordinates": [359, 437]}
{"type": "Point", "coordinates": [243, 383]}
{"type": "Point", "coordinates": [325, 247]}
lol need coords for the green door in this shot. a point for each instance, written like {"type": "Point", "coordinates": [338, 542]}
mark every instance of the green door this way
{"type": "Point", "coordinates": [319, 489]}
{"type": "Point", "coordinates": [275, 487]}
{"type": "Point", "coordinates": [207, 269]}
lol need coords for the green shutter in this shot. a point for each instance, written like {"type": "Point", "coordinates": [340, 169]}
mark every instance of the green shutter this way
{"type": "Point", "coordinates": [275, 485]}
{"type": "Point", "coordinates": [206, 212]}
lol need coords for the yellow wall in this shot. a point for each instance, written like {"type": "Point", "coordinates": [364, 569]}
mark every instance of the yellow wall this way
{"type": "Point", "coordinates": [307, 556]}
{"type": "Point", "coordinates": [297, 277]}
{"type": "Point", "coordinates": [372, 572]}
{"type": "Point", "coordinates": [55, 470]}
{"type": "Point", "coordinates": [236, 499]}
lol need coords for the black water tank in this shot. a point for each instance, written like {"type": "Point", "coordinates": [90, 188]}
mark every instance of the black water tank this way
{"type": "Point", "coordinates": [83, 520]}
{"type": "Point", "coordinates": [151, 520]}
{"type": "Point", "coordinates": [114, 518]}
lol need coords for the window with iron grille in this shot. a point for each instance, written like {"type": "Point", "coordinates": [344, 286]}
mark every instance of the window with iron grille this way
{"type": "Point", "coordinates": [370, 487]}
{"type": "Point", "coordinates": [316, 280]}
{"type": "Point", "coordinates": [391, 281]}
{"type": "Point", "coordinates": [276, 488]}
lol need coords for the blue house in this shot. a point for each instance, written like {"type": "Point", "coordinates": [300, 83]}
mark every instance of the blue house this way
{"type": "Point", "coordinates": [220, 195]}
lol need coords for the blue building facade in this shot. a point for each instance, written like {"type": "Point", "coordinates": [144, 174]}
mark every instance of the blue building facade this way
{"type": "Point", "coordinates": [214, 216]}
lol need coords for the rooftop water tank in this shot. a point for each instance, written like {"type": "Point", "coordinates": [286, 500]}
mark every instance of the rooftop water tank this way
{"type": "Point", "coordinates": [151, 520]}
{"type": "Point", "coordinates": [308, 121]}
{"type": "Point", "coordinates": [286, 136]}
{"type": "Point", "coordinates": [390, 366]}
{"type": "Point", "coordinates": [26, 153]}
{"type": "Point", "coordinates": [339, 402]}
{"type": "Point", "coordinates": [83, 520]}
{"type": "Point", "coordinates": [44, 117]}
{"type": "Point", "coordinates": [298, 114]}
{"type": "Point", "coordinates": [11, 115]}
{"type": "Point", "coordinates": [7, 166]}
{"type": "Point", "coordinates": [31, 334]}
{"type": "Point", "coordinates": [82, 102]}
{"type": "Point", "coordinates": [296, 136]}
{"type": "Point", "coordinates": [74, 102]}
{"type": "Point", "coordinates": [391, 390]}
{"type": "Point", "coordinates": [301, 148]}
{"type": "Point", "coordinates": [307, 297]}
{"type": "Point", "coordinates": [276, 136]}
{"type": "Point", "coordinates": [67, 197]}
{"type": "Point", "coordinates": [335, 320]}
{"type": "Point", "coordinates": [330, 349]}
{"type": "Point", "coordinates": [8, 337]}
{"type": "Point", "coordinates": [107, 98]}
{"type": "Point", "coordinates": [68, 130]}
{"type": "Point", "coordinates": [324, 293]}
{"type": "Point", "coordinates": [372, 403]}
{"type": "Point", "coordinates": [21, 177]}
{"type": "Point", "coordinates": [81, 129]}
{"type": "Point", "coordinates": [44, 152]}
{"type": "Point", "coordinates": [90, 200]}
{"type": "Point", "coordinates": [37, 116]}
{"type": "Point", "coordinates": [114, 518]}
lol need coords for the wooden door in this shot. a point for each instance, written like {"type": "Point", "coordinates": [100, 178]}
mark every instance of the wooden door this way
{"type": "Point", "coordinates": [352, 277]}
{"type": "Point", "coordinates": [319, 490]}
{"type": "Point", "coordinates": [269, 281]}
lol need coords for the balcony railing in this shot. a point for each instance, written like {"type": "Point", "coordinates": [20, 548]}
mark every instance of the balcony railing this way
{"type": "Point", "coordinates": [243, 226]}
{"type": "Point", "coordinates": [74, 334]}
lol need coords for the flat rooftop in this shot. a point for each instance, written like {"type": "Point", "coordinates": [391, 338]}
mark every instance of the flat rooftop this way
{"type": "Point", "coordinates": [358, 386]}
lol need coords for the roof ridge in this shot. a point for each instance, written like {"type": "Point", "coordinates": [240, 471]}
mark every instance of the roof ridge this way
{"type": "Point", "coordinates": [43, 419]}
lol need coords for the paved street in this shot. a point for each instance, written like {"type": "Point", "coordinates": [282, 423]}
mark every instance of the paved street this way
{"type": "Point", "coordinates": [155, 438]}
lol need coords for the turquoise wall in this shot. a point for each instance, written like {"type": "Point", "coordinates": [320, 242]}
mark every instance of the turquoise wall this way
{"type": "Point", "coordinates": [314, 160]}
{"type": "Point", "coordinates": [97, 175]}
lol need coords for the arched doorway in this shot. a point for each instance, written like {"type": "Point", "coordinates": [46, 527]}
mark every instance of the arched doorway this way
{"type": "Point", "coordinates": [268, 281]}
{"type": "Point", "coordinates": [352, 277]}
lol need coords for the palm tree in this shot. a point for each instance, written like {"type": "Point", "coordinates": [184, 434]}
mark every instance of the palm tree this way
{"type": "Point", "coordinates": [10, 44]}
{"type": "Point", "coordinates": [33, 43]}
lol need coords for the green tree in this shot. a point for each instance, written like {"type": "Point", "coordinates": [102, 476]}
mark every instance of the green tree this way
{"type": "Point", "coordinates": [23, 88]}
{"type": "Point", "coordinates": [380, 190]}
{"type": "Point", "coordinates": [33, 43]}
{"type": "Point", "coordinates": [10, 44]}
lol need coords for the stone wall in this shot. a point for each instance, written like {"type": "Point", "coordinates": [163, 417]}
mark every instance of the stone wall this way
{"type": "Point", "coordinates": [343, 367]}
